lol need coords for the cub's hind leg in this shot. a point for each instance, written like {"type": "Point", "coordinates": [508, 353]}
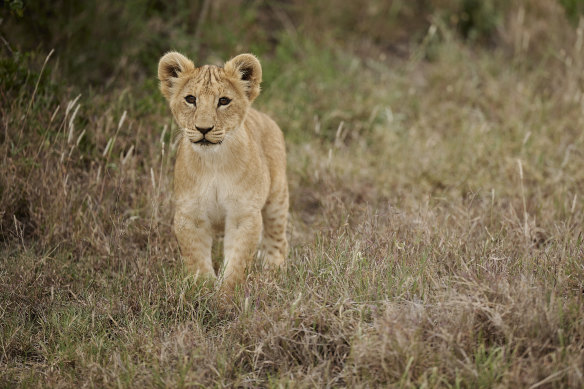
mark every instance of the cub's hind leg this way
{"type": "Point", "coordinates": [274, 245]}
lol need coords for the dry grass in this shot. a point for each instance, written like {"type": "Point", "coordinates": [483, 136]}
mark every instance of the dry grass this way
{"type": "Point", "coordinates": [436, 228]}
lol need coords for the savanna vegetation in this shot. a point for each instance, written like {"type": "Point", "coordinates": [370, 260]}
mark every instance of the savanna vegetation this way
{"type": "Point", "coordinates": [436, 169]}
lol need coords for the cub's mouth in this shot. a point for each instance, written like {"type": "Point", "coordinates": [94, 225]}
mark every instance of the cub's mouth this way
{"type": "Point", "coordinates": [205, 142]}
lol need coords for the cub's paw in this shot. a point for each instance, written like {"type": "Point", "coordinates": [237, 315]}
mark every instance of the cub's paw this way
{"type": "Point", "coordinates": [274, 261]}
{"type": "Point", "coordinates": [207, 279]}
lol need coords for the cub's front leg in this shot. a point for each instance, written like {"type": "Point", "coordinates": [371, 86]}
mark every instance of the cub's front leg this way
{"type": "Point", "coordinates": [242, 235]}
{"type": "Point", "coordinates": [195, 238]}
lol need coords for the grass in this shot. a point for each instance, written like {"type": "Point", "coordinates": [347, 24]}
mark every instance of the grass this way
{"type": "Point", "coordinates": [435, 222]}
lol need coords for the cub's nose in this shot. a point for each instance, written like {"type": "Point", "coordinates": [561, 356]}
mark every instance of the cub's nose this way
{"type": "Point", "coordinates": [204, 130]}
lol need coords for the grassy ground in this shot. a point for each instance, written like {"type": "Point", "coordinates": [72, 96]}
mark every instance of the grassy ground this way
{"type": "Point", "coordinates": [435, 223]}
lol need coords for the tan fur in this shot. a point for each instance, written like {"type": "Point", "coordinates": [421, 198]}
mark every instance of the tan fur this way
{"type": "Point", "coordinates": [238, 184]}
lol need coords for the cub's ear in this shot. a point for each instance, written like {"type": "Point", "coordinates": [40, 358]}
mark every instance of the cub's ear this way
{"type": "Point", "coordinates": [248, 70]}
{"type": "Point", "coordinates": [171, 66]}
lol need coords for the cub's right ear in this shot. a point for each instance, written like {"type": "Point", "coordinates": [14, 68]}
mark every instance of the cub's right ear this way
{"type": "Point", "coordinates": [171, 66]}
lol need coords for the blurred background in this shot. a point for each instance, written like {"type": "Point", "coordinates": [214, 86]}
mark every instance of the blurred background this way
{"type": "Point", "coordinates": [97, 43]}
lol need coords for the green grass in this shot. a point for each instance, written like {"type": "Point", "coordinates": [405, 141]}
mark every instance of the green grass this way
{"type": "Point", "coordinates": [435, 222]}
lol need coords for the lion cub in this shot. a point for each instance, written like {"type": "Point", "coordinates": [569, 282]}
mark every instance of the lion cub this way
{"type": "Point", "coordinates": [230, 170]}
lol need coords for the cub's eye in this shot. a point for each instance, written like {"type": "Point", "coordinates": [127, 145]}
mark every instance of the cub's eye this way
{"type": "Point", "coordinates": [191, 99]}
{"type": "Point", "coordinates": [224, 101]}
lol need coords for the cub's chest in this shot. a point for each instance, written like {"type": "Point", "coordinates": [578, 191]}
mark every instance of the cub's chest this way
{"type": "Point", "coordinates": [213, 196]}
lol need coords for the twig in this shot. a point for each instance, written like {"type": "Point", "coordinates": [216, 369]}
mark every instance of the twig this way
{"type": "Point", "coordinates": [34, 94]}
{"type": "Point", "coordinates": [38, 81]}
{"type": "Point", "coordinates": [525, 222]}
{"type": "Point", "coordinates": [6, 44]}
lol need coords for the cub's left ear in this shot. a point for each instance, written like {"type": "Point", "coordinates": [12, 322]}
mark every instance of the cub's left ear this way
{"type": "Point", "coordinates": [246, 68]}
{"type": "Point", "coordinates": [171, 66]}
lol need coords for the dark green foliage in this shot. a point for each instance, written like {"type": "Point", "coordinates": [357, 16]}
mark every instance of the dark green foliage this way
{"type": "Point", "coordinates": [16, 7]}
{"type": "Point", "coordinates": [478, 19]}
{"type": "Point", "coordinates": [15, 72]}
{"type": "Point", "coordinates": [99, 42]}
{"type": "Point", "coordinates": [574, 9]}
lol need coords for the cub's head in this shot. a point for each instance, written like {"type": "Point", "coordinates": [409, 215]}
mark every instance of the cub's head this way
{"type": "Point", "coordinates": [209, 102]}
